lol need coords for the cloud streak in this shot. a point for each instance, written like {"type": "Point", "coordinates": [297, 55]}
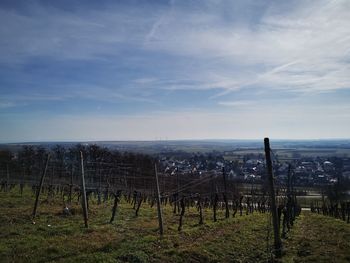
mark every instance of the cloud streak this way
{"type": "Point", "coordinates": [220, 57]}
{"type": "Point", "coordinates": [308, 46]}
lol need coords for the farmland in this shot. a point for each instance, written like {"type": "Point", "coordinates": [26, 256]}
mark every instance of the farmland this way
{"type": "Point", "coordinates": [246, 238]}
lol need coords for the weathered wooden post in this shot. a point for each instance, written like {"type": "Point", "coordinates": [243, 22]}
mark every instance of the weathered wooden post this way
{"type": "Point", "coordinates": [160, 217]}
{"type": "Point", "coordinates": [215, 205]}
{"type": "Point", "coordinates": [177, 193]}
{"type": "Point", "coordinates": [84, 202]}
{"type": "Point", "coordinates": [294, 200]}
{"type": "Point", "coordinates": [289, 198]}
{"type": "Point", "coordinates": [7, 178]}
{"type": "Point", "coordinates": [71, 185]}
{"type": "Point", "coordinates": [99, 187]}
{"type": "Point", "coordinates": [227, 212]}
{"type": "Point", "coordinates": [277, 239]}
{"type": "Point", "coordinates": [40, 186]}
{"type": "Point", "coordinates": [21, 186]}
{"type": "Point", "coordinates": [182, 204]}
{"type": "Point", "coordinates": [199, 200]}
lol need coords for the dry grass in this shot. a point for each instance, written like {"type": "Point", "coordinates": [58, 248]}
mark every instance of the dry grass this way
{"type": "Point", "coordinates": [54, 237]}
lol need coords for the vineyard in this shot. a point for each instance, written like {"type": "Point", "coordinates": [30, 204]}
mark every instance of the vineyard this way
{"type": "Point", "coordinates": [88, 203]}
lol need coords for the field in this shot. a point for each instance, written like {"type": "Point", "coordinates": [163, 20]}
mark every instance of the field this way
{"type": "Point", "coordinates": [247, 238]}
{"type": "Point", "coordinates": [290, 153]}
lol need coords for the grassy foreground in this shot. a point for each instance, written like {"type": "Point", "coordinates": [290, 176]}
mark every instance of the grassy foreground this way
{"type": "Point", "coordinates": [59, 238]}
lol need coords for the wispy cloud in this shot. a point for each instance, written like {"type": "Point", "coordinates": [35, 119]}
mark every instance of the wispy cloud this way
{"type": "Point", "coordinates": [308, 43]}
{"type": "Point", "coordinates": [302, 49]}
{"type": "Point", "coordinates": [236, 103]}
{"type": "Point", "coordinates": [71, 92]}
{"type": "Point", "coordinates": [85, 34]}
{"type": "Point", "coordinates": [218, 56]}
{"type": "Point", "coordinates": [6, 104]}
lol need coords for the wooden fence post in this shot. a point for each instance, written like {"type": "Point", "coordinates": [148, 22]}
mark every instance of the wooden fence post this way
{"type": "Point", "coordinates": [21, 185]}
{"type": "Point", "coordinates": [71, 186]}
{"type": "Point", "coordinates": [84, 202]}
{"type": "Point", "coordinates": [289, 198]}
{"type": "Point", "coordinates": [227, 212]}
{"type": "Point", "coordinates": [199, 200]}
{"type": "Point", "coordinates": [277, 239]}
{"type": "Point", "coordinates": [182, 204]}
{"type": "Point", "coordinates": [40, 186]}
{"type": "Point", "coordinates": [7, 178]}
{"type": "Point", "coordinates": [160, 217]}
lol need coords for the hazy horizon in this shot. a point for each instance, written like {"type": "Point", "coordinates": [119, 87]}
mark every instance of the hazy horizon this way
{"type": "Point", "coordinates": [182, 140]}
{"type": "Point", "coordinates": [174, 70]}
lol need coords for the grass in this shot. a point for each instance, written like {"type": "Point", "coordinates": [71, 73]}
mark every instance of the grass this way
{"type": "Point", "coordinates": [317, 238]}
{"type": "Point", "coordinates": [57, 238]}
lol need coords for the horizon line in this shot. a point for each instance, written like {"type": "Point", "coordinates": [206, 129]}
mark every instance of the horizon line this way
{"type": "Point", "coordinates": [172, 140]}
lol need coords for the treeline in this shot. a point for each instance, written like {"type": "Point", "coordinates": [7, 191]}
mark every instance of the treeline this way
{"type": "Point", "coordinates": [105, 170]}
{"type": "Point", "coordinates": [102, 166]}
{"type": "Point", "coordinates": [337, 203]}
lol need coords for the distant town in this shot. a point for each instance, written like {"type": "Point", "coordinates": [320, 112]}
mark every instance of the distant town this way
{"type": "Point", "coordinates": [308, 162]}
{"type": "Point", "coordinates": [306, 171]}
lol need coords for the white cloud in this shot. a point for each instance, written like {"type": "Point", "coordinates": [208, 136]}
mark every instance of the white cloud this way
{"type": "Point", "coordinates": [6, 104]}
{"type": "Point", "coordinates": [309, 45]}
{"type": "Point", "coordinates": [308, 42]}
{"type": "Point", "coordinates": [298, 47]}
{"type": "Point", "coordinates": [236, 103]}
{"type": "Point", "coordinates": [63, 35]}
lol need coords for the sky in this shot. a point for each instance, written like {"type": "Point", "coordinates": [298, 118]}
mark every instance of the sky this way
{"type": "Point", "coordinates": [165, 70]}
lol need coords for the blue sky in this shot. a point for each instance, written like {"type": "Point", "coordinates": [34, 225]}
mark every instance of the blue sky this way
{"type": "Point", "coordinates": [149, 70]}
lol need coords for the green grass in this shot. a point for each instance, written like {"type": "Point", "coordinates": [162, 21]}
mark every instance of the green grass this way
{"type": "Point", "coordinates": [317, 238]}
{"type": "Point", "coordinates": [56, 238]}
